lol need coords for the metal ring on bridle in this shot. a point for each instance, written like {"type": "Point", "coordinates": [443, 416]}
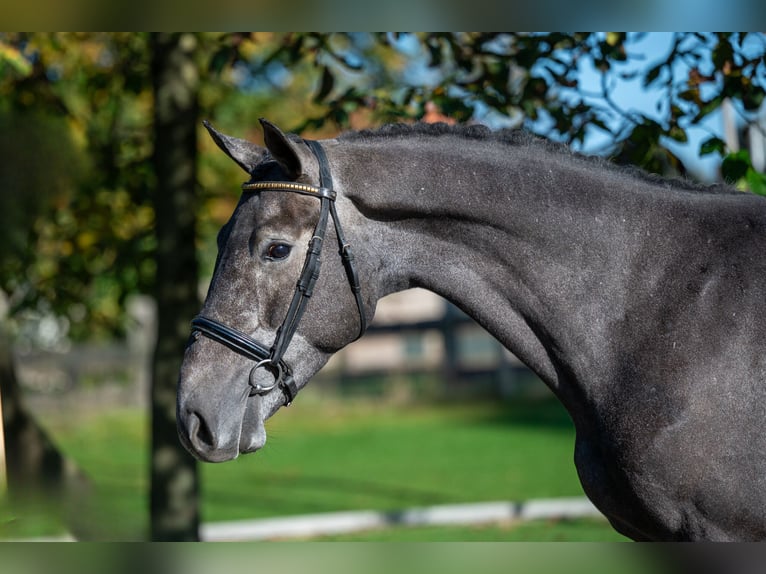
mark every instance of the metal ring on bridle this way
{"type": "Point", "coordinates": [278, 376]}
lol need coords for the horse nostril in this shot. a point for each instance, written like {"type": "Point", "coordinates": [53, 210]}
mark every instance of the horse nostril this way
{"type": "Point", "coordinates": [205, 441]}
{"type": "Point", "coordinates": [200, 434]}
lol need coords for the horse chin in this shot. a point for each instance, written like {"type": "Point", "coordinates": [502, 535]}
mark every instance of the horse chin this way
{"type": "Point", "coordinates": [251, 443]}
{"type": "Point", "coordinates": [253, 433]}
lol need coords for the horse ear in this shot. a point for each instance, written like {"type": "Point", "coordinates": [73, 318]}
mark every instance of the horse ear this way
{"type": "Point", "coordinates": [290, 154]}
{"type": "Point", "coordinates": [247, 154]}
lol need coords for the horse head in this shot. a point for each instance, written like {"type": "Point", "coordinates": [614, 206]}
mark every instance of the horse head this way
{"type": "Point", "coordinates": [259, 338]}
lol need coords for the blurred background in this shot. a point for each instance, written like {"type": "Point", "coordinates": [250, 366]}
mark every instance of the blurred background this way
{"type": "Point", "coordinates": [111, 196]}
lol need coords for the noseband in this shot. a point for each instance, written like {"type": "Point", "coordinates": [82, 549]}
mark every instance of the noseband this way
{"type": "Point", "coordinates": [271, 359]}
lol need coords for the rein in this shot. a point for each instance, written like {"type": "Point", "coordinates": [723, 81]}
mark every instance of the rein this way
{"type": "Point", "coordinates": [271, 359]}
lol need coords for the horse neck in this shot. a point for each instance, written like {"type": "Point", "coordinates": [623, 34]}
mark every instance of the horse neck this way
{"type": "Point", "coordinates": [539, 247]}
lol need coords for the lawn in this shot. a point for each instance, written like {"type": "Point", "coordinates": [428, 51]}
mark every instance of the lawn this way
{"type": "Point", "coordinates": [564, 530]}
{"type": "Point", "coordinates": [353, 456]}
{"type": "Point", "coordinates": [326, 455]}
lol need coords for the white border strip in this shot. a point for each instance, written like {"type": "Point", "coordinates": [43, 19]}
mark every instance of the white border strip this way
{"type": "Point", "coordinates": [307, 526]}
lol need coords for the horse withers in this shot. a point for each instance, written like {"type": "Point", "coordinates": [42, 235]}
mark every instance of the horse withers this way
{"type": "Point", "coordinates": [640, 301]}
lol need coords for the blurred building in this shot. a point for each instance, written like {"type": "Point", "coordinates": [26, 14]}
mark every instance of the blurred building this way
{"type": "Point", "coordinates": [418, 336]}
{"type": "Point", "coordinates": [417, 342]}
{"type": "Point", "coordinates": [751, 137]}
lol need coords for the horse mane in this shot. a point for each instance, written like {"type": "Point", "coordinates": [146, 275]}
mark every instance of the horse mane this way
{"type": "Point", "coordinates": [521, 137]}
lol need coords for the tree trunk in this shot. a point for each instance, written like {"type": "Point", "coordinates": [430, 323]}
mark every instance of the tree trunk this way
{"type": "Point", "coordinates": [38, 477]}
{"type": "Point", "coordinates": [175, 78]}
{"type": "Point", "coordinates": [2, 447]}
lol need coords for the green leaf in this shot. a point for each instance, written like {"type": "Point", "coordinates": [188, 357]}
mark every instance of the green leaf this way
{"type": "Point", "coordinates": [756, 181]}
{"type": "Point", "coordinates": [678, 134]}
{"type": "Point", "coordinates": [530, 110]}
{"type": "Point", "coordinates": [220, 60]}
{"type": "Point", "coordinates": [753, 98]}
{"type": "Point", "coordinates": [722, 53]}
{"type": "Point", "coordinates": [12, 56]}
{"type": "Point", "coordinates": [653, 74]}
{"type": "Point", "coordinates": [325, 85]}
{"type": "Point", "coordinates": [735, 165]}
{"type": "Point", "coordinates": [713, 145]}
{"type": "Point", "coordinates": [690, 95]}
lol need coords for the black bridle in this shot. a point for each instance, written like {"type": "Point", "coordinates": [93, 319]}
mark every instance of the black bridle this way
{"type": "Point", "coordinates": [272, 359]}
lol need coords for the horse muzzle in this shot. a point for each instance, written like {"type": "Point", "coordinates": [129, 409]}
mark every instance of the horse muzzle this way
{"type": "Point", "coordinates": [210, 439]}
{"type": "Point", "coordinates": [217, 415]}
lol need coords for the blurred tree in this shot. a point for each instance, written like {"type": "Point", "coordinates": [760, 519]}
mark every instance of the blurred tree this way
{"type": "Point", "coordinates": [89, 185]}
{"type": "Point", "coordinates": [90, 243]}
{"type": "Point", "coordinates": [175, 81]}
{"type": "Point", "coordinates": [94, 246]}
{"type": "Point", "coordinates": [534, 81]}
{"type": "Point", "coordinates": [38, 477]}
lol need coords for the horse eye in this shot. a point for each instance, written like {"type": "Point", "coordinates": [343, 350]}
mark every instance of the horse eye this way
{"type": "Point", "coordinates": [277, 251]}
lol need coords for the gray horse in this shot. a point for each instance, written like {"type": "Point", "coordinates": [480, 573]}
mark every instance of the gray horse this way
{"type": "Point", "coordinates": [640, 302]}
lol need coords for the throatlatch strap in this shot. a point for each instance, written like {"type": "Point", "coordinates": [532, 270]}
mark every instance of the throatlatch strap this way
{"type": "Point", "coordinates": [344, 249]}
{"type": "Point", "coordinates": [325, 177]}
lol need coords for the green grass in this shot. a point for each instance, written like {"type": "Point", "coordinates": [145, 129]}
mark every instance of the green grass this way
{"type": "Point", "coordinates": [325, 456]}
{"type": "Point", "coordinates": [110, 447]}
{"type": "Point", "coordinates": [361, 455]}
{"type": "Point", "coordinates": [565, 530]}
